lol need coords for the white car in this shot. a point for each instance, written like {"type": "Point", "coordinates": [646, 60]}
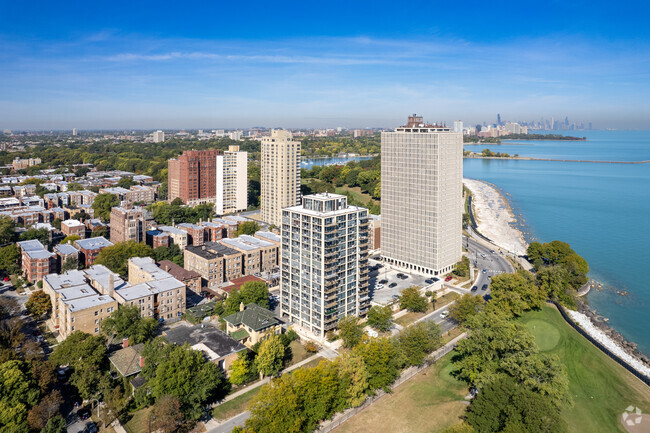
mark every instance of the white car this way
{"type": "Point", "coordinates": [444, 314]}
{"type": "Point", "coordinates": [379, 286]}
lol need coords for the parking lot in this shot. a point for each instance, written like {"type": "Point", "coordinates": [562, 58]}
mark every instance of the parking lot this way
{"type": "Point", "coordinates": [384, 295]}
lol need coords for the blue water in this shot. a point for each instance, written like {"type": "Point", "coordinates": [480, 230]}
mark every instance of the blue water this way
{"type": "Point", "coordinates": [602, 210]}
{"type": "Point", "coordinates": [309, 163]}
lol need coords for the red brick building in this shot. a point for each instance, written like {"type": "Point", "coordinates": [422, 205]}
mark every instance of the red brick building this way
{"type": "Point", "coordinates": [157, 238]}
{"type": "Point", "coordinates": [192, 176]}
{"type": "Point", "coordinates": [89, 249]}
{"type": "Point", "coordinates": [73, 228]}
{"type": "Point", "coordinates": [36, 261]}
{"type": "Point", "coordinates": [191, 279]}
{"type": "Point", "coordinates": [128, 224]}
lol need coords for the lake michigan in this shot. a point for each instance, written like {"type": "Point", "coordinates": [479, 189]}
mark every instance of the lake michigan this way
{"type": "Point", "coordinates": [602, 210]}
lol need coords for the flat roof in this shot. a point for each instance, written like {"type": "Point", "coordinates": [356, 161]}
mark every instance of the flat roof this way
{"type": "Point", "coordinates": [95, 301]}
{"type": "Point", "coordinates": [93, 243]}
{"type": "Point", "coordinates": [190, 226]}
{"type": "Point", "coordinates": [269, 235]}
{"type": "Point", "coordinates": [158, 286]}
{"type": "Point", "coordinates": [66, 249]}
{"type": "Point", "coordinates": [170, 229]}
{"type": "Point", "coordinates": [247, 243]}
{"type": "Point", "coordinates": [129, 293]}
{"type": "Point", "coordinates": [76, 292]}
{"type": "Point", "coordinates": [72, 223]}
{"type": "Point", "coordinates": [349, 209]}
{"type": "Point", "coordinates": [39, 254]}
{"type": "Point", "coordinates": [31, 245]}
{"type": "Point", "coordinates": [65, 280]}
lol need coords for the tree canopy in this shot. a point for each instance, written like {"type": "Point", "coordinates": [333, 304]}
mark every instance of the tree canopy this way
{"type": "Point", "coordinates": [412, 300]}
{"type": "Point", "coordinates": [380, 318]}
{"type": "Point", "coordinates": [103, 204]}
{"type": "Point", "coordinates": [126, 322]}
{"type": "Point", "coordinates": [116, 256]}
{"type": "Point", "coordinates": [38, 303]}
{"type": "Point", "coordinates": [251, 292]}
{"type": "Point", "coordinates": [247, 228]}
{"type": "Point", "coordinates": [350, 331]}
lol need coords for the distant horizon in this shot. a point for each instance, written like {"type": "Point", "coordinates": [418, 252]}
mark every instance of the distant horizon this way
{"type": "Point", "coordinates": [134, 66]}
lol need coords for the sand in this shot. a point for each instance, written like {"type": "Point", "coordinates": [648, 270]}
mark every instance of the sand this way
{"type": "Point", "coordinates": [495, 218]}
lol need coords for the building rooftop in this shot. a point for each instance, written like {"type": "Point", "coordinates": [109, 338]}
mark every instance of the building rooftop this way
{"type": "Point", "coordinates": [178, 272]}
{"type": "Point", "coordinates": [65, 280]}
{"type": "Point", "coordinates": [72, 223]}
{"type": "Point", "coordinates": [130, 293]}
{"type": "Point", "coordinates": [127, 360]}
{"type": "Point", "coordinates": [174, 230]}
{"type": "Point", "coordinates": [269, 236]}
{"type": "Point", "coordinates": [247, 243]}
{"type": "Point", "coordinates": [225, 221]}
{"type": "Point", "coordinates": [148, 265]}
{"type": "Point", "coordinates": [76, 292]}
{"type": "Point", "coordinates": [95, 301]}
{"type": "Point", "coordinates": [253, 316]}
{"type": "Point", "coordinates": [220, 248]}
{"type": "Point", "coordinates": [39, 254]}
{"type": "Point", "coordinates": [202, 252]}
{"type": "Point", "coordinates": [99, 275]}
{"type": "Point", "coordinates": [205, 337]}
{"type": "Point", "coordinates": [31, 245]}
{"type": "Point", "coordinates": [93, 243]}
{"type": "Point", "coordinates": [190, 226]}
{"type": "Point", "coordinates": [65, 249]}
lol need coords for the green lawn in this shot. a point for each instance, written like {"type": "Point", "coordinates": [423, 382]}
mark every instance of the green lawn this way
{"type": "Point", "coordinates": [298, 353]}
{"type": "Point", "coordinates": [356, 193]}
{"type": "Point", "coordinates": [235, 406]}
{"type": "Point", "coordinates": [430, 402]}
{"type": "Point", "coordinates": [411, 317]}
{"type": "Point", "coordinates": [600, 388]}
{"type": "Point", "coordinates": [139, 421]}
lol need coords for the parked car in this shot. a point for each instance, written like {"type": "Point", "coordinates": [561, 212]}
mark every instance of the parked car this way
{"type": "Point", "coordinates": [379, 286]}
{"type": "Point", "coordinates": [436, 279]}
{"type": "Point", "coordinates": [449, 277]}
{"type": "Point", "coordinates": [91, 427]}
{"type": "Point", "coordinates": [474, 288]}
{"type": "Point", "coordinates": [484, 287]}
{"type": "Point", "coordinates": [6, 279]}
{"type": "Point", "coordinates": [383, 281]}
{"type": "Point", "coordinates": [84, 413]}
{"type": "Point", "coordinates": [428, 281]}
{"type": "Point", "coordinates": [392, 285]}
{"type": "Point", "coordinates": [444, 314]}
{"type": "Point", "coordinates": [484, 271]}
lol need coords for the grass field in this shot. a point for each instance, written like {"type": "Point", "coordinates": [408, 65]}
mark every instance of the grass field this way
{"type": "Point", "coordinates": [235, 406]}
{"type": "Point", "coordinates": [139, 421]}
{"type": "Point", "coordinates": [356, 193]}
{"type": "Point", "coordinates": [429, 402]}
{"type": "Point", "coordinates": [600, 388]}
{"type": "Point", "coordinates": [298, 353]}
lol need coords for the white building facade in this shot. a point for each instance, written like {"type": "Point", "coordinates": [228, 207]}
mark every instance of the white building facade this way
{"type": "Point", "coordinates": [421, 197]}
{"type": "Point", "coordinates": [232, 181]}
{"type": "Point", "coordinates": [280, 175]}
{"type": "Point", "coordinates": [324, 263]}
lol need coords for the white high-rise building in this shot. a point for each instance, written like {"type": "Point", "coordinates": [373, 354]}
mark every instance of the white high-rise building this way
{"type": "Point", "coordinates": [280, 175]}
{"type": "Point", "coordinates": [232, 181]}
{"type": "Point", "coordinates": [421, 197]}
{"type": "Point", "coordinates": [324, 262]}
{"type": "Point", "coordinates": [458, 126]}
{"type": "Point", "coordinates": [235, 135]}
{"type": "Point", "coordinates": [158, 136]}
{"type": "Point", "coordinates": [74, 132]}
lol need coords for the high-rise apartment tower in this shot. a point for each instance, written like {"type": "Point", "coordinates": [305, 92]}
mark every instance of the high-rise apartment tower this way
{"type": "Point", "coordinates": [421, 197]}
{"type": "Point", "coordinates": [324, 262]}
{"type": "Point", "coordinates": [280, 177]}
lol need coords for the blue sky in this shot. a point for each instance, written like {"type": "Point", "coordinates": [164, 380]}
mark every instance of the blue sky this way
{"type": "Point", "coordinates": [320, 64]}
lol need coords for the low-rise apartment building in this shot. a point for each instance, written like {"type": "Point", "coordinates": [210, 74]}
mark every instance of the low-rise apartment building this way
{"type": "Point", "coordinates": [191, 279]}
{"type": "Point", "coordinates": [89, 249]}
{"type": "Point", "coordinates": [195, 233]}
{"type": "Point", "coordinates": [73, 228]}
{"type": "Point", "coordinates": [36, 261]}
{"type": "Point", "coordinates": [176, 236]}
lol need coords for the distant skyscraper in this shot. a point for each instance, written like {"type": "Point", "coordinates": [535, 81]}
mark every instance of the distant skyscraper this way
{"type": "Point", "coordinates": [498, 119]}
{"type": "Point", "coordinates": [324, 263]}
{"type": "Point", "coordinates": [158, 136]}
{"type": "Point", "coordinates": [458, 126]}
{"type": "Point", "coordinates": [74, 132]}
{"type": "Point", "coordinates": [421, 197]}
{"type": "Point", "coordinates": [280, 175]}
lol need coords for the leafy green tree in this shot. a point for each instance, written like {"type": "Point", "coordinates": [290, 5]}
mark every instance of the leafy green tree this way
{"type": "Point", "coordinates": [353, 378]}
{"type": "Point", "coordinates": [81, 171]}
{"type": "Point", "coordinates": [9, 260]}
{"type": "Point", "coordinates": [86, 355]}
{"type": "Point", "coordinates": [247, 228]}
{"type": "Point", "coordinates": [553, 281]}
{"type": "Point", "coordinates": [411, 300]}
{"type": "Point", "coordinates": [116, 256]}
{"type": "Point", "coordinates": [462, 267]}
{"type": "Point", "coordinates": [516, 293]}
{"type": "Point", "coordinates": [56, 223]}
{"type": "Point", "coordinates": [55, 424]}
{"type": "Point", "coordinates": [278, 407]}
{"type": "Point", "coordinates": [459, 428]}
{"type": "Point", "coordinates": [74, 186]}
{"type": "Point", "coordinates": [240, 369]}
{"type": "Point", "coordinates": [380, 358]}
{"type": "Point", "coordinates": [42, 235]}
{"type": "Point", "coordinates": [415, 342]}
{"type": "Point", "coordinates": [270, 356]}
{"type": "Point", "coordinates": [48, 407]}
{"type": "Point", "coordinates": [126, 322]}
{"type": "Point", "coordinates": [172, 253]}
{"type": "Point", "coordinates": [39, 303]}
{"type": "Point", "coordinates": [103, 204]}
{"type": "Point", "coordinates": [70, 264]}
{"type": "Point", "coordinates": [465, 307]}
{"type": "Point", "coordinates": [504, 406]}
{"type": "Point", "coordinates": [18, 393]}
{"type": "Point", "coordinates": [70, 239]}
{"type": "Point", "coordinates": [125, 182]}
{"type": "Point", "coordinates": [251, 292]}
{"type": "Point", "coordinates": [380, 318]}
{"type": "Point", "coordinates": [184, 373]}
{"type": "Point", "coordinates": [7, 229]}
{"type": "Point", "coordinates": [350, 331]}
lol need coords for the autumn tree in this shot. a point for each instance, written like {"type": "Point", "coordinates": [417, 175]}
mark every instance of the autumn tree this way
{"type": "Point", "coordinates": [166, 414]}
{"type": "Point", "coordinates": [270, 356]}
{"type": "Point", "coordinates": [39, 303]}
{"type": "Point", "coordinates": [350, 331]}
{"type": "Point", "coordinates": [116, 256]}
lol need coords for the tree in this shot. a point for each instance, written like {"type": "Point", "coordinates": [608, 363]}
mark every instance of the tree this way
{"type": "Point", "coordinates": [116, 256]}
{"type": "Point", "coordinates": [74, 186]}
{"type": "Point", "coordinates": [9, 259]}
{"type": "Point", "coordinates": [56, 424]}
{"type": "Point", "coordinates": [240, 369]}
{"type": "Point", "coordinates": [42, 235]}
{"type": "Point", "coordinates": [39, 303]}
{"type": "Point", "coordinates": [172, 253]}
{"type": "Point", "coordinates": [125, 182]}
{"type": "Point", "coordinates": [380, 358]}
{"type": "Point", "coordinates": [81, 171]}
{"type": "Point", "coordinates": [166, 414]}
{"type": "Point", "coordinates": [103, 204]}
{"type": "Point", "coordinates": [278, 407]}
{"type": "Point", "coordinates": [86, 355]}
{"type": "Point", "coordinates": [465, 307]}
{"type": "Point", "coordinates": [7, 229]}
{"type": "Point", "coordinates": [70, 239]}
{"type": "Point", "coordinates": [126, 322]}
{"type": "Point", "coordinates": [270, 356]}
{"type": "Point", "coordinates": [100, 231]}
{"type": "Point", "coordinates": [70, 264]}
{"type": "Point", "coordinates": [247, 228]}
{"type": "Point", "coordinates": [353, 378]}
{"type": "Point", "coordinates": [504, 406]}
{"type": "Point", "coordinates": [380, 318]}
{"type": "Point", "coordinates": [18, 393]}
{"type": "Point", "coordinates": [459, 428]}
{"type": "Point", "coordinates": [48, 407]}
{"type": "Point", "coordinates": [350, 331]}
{"type": "Point", "coordinates": [184, 373]}
{"type": "Point", "coordinates": [251, 292]}
{"type": "Point", "coordinates": [462, 267]}
{"type": "Point", "coordinates": [516, 293]}
{"type": "Point", "coordinates": [412, 300]}
{"type": "Point", "coordinates": [415, 342]}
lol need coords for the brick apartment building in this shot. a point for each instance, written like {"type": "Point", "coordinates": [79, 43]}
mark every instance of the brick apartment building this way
{"type": "Point", "coordinates": [191, 279]}
{"type": "Point", "coordinates": [36, 261]}
{"type": "Point", "coordinates": [89, 249]}
{"type": "Point", "coordinates": [128, 224]}
{"type": "Point", "coordinates": [192, 176]}
{"type": "Point", "coordinates": [73, 228]}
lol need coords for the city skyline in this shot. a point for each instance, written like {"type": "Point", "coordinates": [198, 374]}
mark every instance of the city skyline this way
{"type": "Point", "coordinates": [68, 66]}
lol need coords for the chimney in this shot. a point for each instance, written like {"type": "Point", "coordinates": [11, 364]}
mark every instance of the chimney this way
{"type": "Point", "coordinates": [125, 343]}
{"type": "Point", "coordinates": [141, 361]}
{"type": "Point", "coordinates": [111, 285]}
{"type": "Point", "coordinates": [242, 307]}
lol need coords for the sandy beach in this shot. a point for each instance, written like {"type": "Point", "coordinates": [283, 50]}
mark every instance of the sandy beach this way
{"type": "Point", "coordinates": [494, 217]}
